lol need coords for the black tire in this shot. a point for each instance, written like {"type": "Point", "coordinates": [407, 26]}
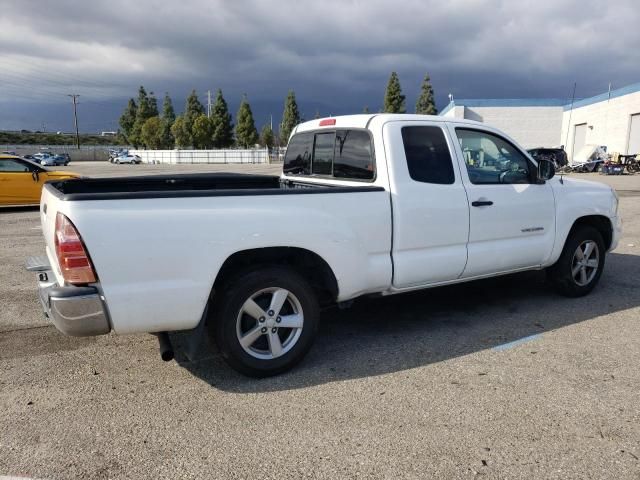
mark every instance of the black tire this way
{"type": "Point", "coordinates": [560, 274]}
{"type": "Point", "coordinates": [228, 303]}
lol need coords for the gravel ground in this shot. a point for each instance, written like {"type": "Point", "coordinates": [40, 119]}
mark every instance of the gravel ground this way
{"type": "Point", "coordinates": [413, 386]}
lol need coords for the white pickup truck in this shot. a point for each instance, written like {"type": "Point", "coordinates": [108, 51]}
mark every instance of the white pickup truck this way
{"type": "Point", "coordinates": [366, 205]}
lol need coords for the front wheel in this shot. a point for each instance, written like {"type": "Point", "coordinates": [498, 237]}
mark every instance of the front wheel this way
{"type": "Point", "coordinates": [265, 321]}
{"type": "Point", "coordinates": [581, 262]}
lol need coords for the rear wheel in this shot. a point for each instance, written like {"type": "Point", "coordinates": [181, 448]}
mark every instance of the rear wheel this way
{"type": "Point", "coordinates": [265, 321]}
{"type": "Point", "coordinates": [580, 265]}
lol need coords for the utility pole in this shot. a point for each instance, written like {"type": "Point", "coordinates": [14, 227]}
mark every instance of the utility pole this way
{"type": "Point", "coordinates": [208, 103]}
{"type": "Point", "coordinates": [74, 97]}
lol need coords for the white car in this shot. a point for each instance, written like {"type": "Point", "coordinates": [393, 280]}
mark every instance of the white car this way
{"type": "Point", "coordinates": [129, 158]}
{"type": "Point", "coordinates": [366, 205]}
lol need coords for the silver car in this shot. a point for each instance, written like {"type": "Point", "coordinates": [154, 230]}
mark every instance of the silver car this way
{"type": "Point", "coordinates": [134, 159]}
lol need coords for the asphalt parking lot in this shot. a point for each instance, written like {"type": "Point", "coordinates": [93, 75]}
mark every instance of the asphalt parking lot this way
{"type": "Point", "coordinates": [495, 379]}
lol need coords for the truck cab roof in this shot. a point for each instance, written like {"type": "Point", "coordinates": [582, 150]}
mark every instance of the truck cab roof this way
{"type": "Point", "coordinates": [364, 120]}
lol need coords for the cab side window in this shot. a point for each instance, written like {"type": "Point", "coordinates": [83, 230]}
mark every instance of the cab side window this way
{"type": "Point", "coordinates": [13, 166]}
{"type": "Point", "coordinates": [427, 154]}
{"type": "Point", "coordinates": [492, 160]}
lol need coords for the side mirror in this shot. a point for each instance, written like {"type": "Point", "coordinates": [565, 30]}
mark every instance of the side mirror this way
{"type": "Point", "coordinates": [546, 170]}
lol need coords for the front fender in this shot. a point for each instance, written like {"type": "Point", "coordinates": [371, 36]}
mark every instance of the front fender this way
{"type": "Point", "coordinates": [576, 199]}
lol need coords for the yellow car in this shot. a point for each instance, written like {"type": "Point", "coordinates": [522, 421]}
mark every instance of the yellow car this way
{"type": "Point", "coordinates": [21, 180]}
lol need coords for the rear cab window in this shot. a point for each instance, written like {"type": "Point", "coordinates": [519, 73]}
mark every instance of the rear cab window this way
{"type": "Point", "coordinates": [345, 154]}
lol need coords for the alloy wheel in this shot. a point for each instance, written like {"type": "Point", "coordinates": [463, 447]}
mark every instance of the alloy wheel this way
{"type": "Point", "coordinates": [269, 323]}
{"type": "Point", "coordinates": [585, 263]}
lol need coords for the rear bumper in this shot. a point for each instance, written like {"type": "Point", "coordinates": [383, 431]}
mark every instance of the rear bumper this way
{"type": "Point", "coordinates": [75, 311]}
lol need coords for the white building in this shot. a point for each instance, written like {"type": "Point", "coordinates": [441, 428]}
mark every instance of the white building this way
{"type": "Point", "coordinates": [611, 119]}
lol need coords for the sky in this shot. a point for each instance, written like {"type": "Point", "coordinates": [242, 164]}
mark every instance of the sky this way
{"type": "Point", "coordinates": [335, 54]}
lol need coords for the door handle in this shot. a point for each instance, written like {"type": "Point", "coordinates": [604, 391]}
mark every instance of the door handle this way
{"type": "Point", "coordinates": [482, 203]}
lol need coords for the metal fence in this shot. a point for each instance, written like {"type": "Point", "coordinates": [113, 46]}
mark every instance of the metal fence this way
{"type": "Point", "coordinates": [260, 155]}
{"type": "Point", "coordinates": [86, 152]}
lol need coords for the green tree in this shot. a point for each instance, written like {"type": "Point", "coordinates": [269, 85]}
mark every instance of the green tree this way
{"type": "Point", "coordinates": [147, 108]}
{"type": "Point", "coordinates": [127, 119]}
{"type": "Point", "coordinates": [426, 104]}
{"type": "Point", "coordinates": [152, 133]}
{"type": "Point", "coordinates": [202, 132]}
{"type": "Point", "coordinates": [222, 126]}
{"type": "Point", "coordinates": [179, 132]}
{"type": "Point", "coordinates": [246, 133]}
{"type": "Point", "coordinates": [290, 117]}
{"type": "Point", "coordinates": [193, 109]}
{"type": "Point", "coordinates": [168, 117]}
{"type": "Point", "coordinates": [266, 137]}
{"type": "Point", "coordinates": [153, 105]}
{"type": "Point", "coordinates": [394, 100]}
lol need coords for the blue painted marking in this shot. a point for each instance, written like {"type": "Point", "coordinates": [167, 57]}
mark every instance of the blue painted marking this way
{"type": "Point", "coordinates": [515, 343]}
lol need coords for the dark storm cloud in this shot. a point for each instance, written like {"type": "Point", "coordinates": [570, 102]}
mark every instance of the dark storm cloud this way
{"type": "Point", "coordinates": [337, 55]}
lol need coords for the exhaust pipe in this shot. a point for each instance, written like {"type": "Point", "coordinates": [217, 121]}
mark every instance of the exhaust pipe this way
{"type": "Point", "coordinates": [166, 349]}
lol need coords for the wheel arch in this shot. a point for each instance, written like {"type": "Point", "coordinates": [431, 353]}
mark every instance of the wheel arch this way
{"type": "Point", "coordinates": [601, 223]}
{"type": "Point", "coordinates": [309, 264]}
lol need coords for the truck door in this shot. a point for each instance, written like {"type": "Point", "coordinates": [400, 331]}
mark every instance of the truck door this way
{"type": "Point", "coordinates": [512, 215]}
{"type": "Point", "coordinates": [430, 208]}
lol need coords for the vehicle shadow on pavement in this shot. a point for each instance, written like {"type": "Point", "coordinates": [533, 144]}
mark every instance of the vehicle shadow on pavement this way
{"type": "Point", "coordinates": [19, 208]}
{"type": "Point", "coordinates": [384, 335]}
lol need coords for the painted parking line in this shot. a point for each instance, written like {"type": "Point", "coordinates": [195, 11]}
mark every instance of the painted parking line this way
{"type": "Point", "coordinates": [515, 343]}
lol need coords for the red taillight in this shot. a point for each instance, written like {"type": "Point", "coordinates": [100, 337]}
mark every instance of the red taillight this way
{"type": "Point", "coordinates": [327, 121]}
{"type": "Point", "coordinates": [73, 259]}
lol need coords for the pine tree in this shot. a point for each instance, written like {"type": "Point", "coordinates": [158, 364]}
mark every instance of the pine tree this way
{"type": "Point", "coordinates": [168, 117]}
{"type": "Point", "coordinates": [394, 100]}
{"type": "Point", "coordinates": [426, 104]}
{"type": "Point", "coordinates": [142, 106]}
{"type": "Point", "coordinates": [222, 126]}
{"type": "Point", "coordinates": [266, 137]}
{"type": "Point", "coordinates": [290, 117]}
{"type": "Point", "coordinates": [147, 108]}
{"type": "Point", "coordinates": [192, 110]}
{"type": "Point", "coordinates": [153, 105]}
{"type": "Point", "coordinates": [246, 133]}
{"type": "Point", "coordinates": [127, 119]}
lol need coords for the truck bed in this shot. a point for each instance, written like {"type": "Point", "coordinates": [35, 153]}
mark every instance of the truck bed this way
{"type": "Point", "coordinates": [187, 185]}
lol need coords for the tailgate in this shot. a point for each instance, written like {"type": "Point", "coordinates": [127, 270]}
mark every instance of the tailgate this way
{"type": "Point", "coordinates": [49, 207]}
